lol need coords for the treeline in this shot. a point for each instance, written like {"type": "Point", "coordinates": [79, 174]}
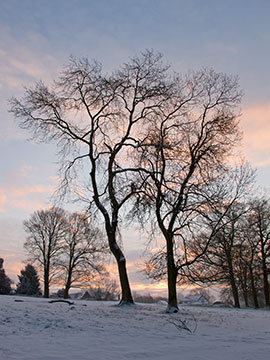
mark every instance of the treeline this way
{"type": "Point", "coordinates": [66, 247]}
{"type": "Point", "coordinates": [145, 144]}
{"type": "Point", "coordinates": [235, 256]}
{"type": "Point", "coordinates": [238, 255]}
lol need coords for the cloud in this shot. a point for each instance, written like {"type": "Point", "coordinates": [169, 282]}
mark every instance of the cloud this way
{"type": "Point", "coordinates": [255, 122]}
{"type": "Point", "coordinates": [25, 170]}
{"type": "Point", "coordinates": [3, 200]}
{"type": "Point", "coordinates": [27, 190]}
{"type": "Point", "coordinates": [29, 198]}
{"type": "Point", "coordinates": [21, 64]}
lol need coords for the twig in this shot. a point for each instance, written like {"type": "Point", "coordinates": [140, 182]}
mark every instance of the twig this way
{"type": "Point", "coordinates": [183, 324]}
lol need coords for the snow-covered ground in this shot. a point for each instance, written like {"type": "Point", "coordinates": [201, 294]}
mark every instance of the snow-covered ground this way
{"type": "Point", "coordinates": [34, 329]}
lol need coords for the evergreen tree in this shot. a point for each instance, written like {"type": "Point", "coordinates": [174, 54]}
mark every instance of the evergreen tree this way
{"type": "Point", "coordinates": [5, 282]}
{"type": "Point", "coordinates": [28, 282]}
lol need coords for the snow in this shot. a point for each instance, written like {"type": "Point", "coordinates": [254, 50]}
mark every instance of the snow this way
{"type": "Point", "coordinates": [32, 328]}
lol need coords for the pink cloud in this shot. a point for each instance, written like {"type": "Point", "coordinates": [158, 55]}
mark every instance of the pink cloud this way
{"type": "Point", "coordinates": [28, 190]}
{"type": "Point", "coordinates": [27, 197]}
{"type": "Point", "coordinates": [3, 200]}
{"type": "Point", "coordinates": [255, 122]}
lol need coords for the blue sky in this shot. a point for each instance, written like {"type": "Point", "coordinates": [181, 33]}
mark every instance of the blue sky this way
{"type": "Point", "coordinates": [37, 38]}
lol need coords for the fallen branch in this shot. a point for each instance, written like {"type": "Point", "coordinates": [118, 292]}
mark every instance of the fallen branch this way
{"type": "Point", "coordinates": [64, 301]}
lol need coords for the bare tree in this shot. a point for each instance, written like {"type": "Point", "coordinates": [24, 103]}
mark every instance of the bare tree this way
{"type": "Point", "coordinates": [46, 231]}
{"type": "Point", "coordinates": [248, 262]}
{"type": "Point", "coordinates": [259, 225]}
{"type": "Point", "coordinates": [82, 252]}
{"type": "Point", "coordinates": [184, 152]}
{"type": "Point", "coordinates": [96, 121]}
{"type": "Point", "coordinates": [218, 249]}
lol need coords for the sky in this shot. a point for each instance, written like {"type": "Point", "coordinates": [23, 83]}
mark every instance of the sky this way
{"type": "Point", "coordinates": [37, 38]}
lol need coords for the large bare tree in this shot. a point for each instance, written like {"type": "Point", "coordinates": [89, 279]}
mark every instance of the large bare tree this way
{"type": "Point", "coordinates": [184, 152]}
{"type": "Point", "coordinates": [46, 231]}
{"type": "Point", "coordinates": [96, 120]}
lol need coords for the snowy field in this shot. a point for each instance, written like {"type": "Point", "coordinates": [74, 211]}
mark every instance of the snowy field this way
{"type": "Point", "coordinates": [34, 329]}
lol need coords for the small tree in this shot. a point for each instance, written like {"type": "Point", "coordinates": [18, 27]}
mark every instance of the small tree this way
{"type": "Point", "coordinates": [82, 252]}
{"type": "Point", "coordinates": [5, 282]}
{"type": "Point", "coordinates": [105, 289]}
{"type": "Point", "coordinates": [28, 282]}
{"type": "Point", "coordinates": [46, 230]}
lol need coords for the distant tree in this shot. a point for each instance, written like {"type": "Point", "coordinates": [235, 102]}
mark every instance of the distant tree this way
{"type": "Point", "coordinates": [82, 252]}
{"type": "Point", "coordinates": [220, 263]}
{"type": "Point", "coordinates": [5, 282]}
{"type": "Point", "coordinates": [105, 289]}
{"type": "Point", "coordinates": [28, 282]}
{"type": "Point", "coordinates": [46, 231]}
{"type": "Point", "coordinates": [205, 292]}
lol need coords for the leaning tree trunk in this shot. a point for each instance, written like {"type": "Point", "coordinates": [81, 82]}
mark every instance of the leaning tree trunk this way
{"type": "Point", "coordinates": [172, 278]}
{"type": "Point", "coordinates": [122, 270]}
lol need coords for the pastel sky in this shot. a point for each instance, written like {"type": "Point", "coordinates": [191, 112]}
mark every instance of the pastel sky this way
{"type": "Point", "coordinates": [37, 38]}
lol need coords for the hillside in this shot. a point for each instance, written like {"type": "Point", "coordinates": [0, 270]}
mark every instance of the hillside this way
{"type": "Point", "coordinates": [34, 329]}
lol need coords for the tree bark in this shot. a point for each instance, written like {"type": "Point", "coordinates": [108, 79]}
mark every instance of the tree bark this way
{"type": "Point", "coordinates": [126, 297]}
{"type": "Point", "coordinates": [46, 283]}
{"type": "Point", "coordinates": [233, 284]}
{"type": "Point", "coordinates": [172, 278]}
{"type": "Point", "coordinates": [253, 288]}
{"type": "Point", "coordinates": [68, 285]}
{"type": "Point", "coordinates": [265, 283]}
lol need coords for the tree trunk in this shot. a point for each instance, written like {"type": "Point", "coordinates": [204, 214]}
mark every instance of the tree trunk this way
{"type": "Point", "coordinates": [126, 297]}
{"type": "Point", "coordinates": [245, 295]}
{"type": "Point", "coordinates": [68, 285]}
{"type": "Point", "coordinates": [233, 284]}
{"type": "Point", "coordinates": [235, 293]}
{"type": "Point", "coordinates": [46, 283]}
{"type": "Point", "coordinates": [125, 287]}
{"type": "Point", "coordinates": [253, 288]}
{"type": "Point", "coordinates": [172, 278]}
{"type": "Point", "coordinates": [243, 281]}
{"type": "Point", "coordinates": [265, 283]}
